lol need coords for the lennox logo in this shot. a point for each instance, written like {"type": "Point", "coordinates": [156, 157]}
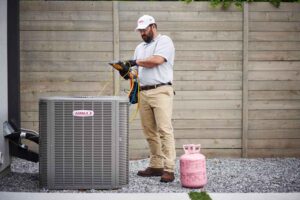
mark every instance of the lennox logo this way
{"type": "Point", "coordinates": [83, 113]}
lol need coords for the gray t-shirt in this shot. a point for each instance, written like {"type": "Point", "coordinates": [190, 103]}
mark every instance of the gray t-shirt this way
{"type": "Point", "coordinates": [163, 46]}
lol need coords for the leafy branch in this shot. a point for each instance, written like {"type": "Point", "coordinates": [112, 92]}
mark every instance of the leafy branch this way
{"type": "Point", "coordinates": [239, 3]}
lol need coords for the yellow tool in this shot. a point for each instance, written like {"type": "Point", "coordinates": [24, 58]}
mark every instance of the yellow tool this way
{"type": "Point", "coordinates": [118, 65]}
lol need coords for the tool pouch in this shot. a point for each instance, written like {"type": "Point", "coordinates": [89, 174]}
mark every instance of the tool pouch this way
{"type": "Point", "coordinates": [133, 96]}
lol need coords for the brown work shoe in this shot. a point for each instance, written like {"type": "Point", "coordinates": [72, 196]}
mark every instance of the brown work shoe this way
{"type": "Point", "coordinates": [151, 172]}
{"type": "Point", "coordinates": [167, 177]}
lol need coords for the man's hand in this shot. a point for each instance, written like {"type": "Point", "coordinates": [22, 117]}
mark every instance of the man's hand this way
{"type": "Point", "coordinates": [124, 72]}
{"type": "Point", "coordinates": [124, 68]}
{"type": "Point", "coordinates": [127, 71]}
{"type": "Point", "coordinates": [131, 62]}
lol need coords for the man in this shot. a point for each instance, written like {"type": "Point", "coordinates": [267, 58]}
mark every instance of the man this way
{"type": "Point", "coordinates": [154, 59]}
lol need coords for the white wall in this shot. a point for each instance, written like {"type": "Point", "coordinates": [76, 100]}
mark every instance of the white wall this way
{"type": "Point", "coordinates": [4, 150]}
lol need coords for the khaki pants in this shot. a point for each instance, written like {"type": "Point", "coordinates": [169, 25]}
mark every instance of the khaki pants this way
{"type": "Point", "coordinates": [156, 112]}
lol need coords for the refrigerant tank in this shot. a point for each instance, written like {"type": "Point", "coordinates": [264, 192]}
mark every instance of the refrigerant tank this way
{"type": "Point", "coordinates": [192, 167]}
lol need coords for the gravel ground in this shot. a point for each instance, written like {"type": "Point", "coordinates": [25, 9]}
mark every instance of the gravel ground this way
{"type": "Point", "coordinates": [224, 176]}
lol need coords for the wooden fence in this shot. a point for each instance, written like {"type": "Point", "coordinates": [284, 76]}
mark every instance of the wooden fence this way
{"type": "Point", "coordinates": [236, 73]}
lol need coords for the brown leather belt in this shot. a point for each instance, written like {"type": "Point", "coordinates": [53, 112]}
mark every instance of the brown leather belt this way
{"type": "Point", "coordinates": [149, 87]}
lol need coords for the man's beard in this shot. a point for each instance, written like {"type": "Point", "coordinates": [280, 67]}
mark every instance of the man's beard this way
{"type": "Point", "coordinates": [148, 38]}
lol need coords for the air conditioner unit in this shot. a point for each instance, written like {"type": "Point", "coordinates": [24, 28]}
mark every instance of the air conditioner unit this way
{"type": "Point", "coordinates": [83, 142]}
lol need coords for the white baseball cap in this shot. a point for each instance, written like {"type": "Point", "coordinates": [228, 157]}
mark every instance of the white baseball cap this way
{"type": "Point", "coordinates": [144, 21]}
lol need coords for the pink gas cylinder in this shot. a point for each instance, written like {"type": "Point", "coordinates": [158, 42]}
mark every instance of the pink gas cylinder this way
{"type": "Point", "coordinates": [192, 167]}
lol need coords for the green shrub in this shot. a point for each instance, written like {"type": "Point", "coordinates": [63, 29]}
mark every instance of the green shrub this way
{"type": "Point", "coordinates": [199, 196]}
{"type": "Point", "coordinates": [239, 3]}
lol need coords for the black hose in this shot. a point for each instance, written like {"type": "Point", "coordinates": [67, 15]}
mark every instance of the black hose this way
{"type": "Point", "coordinates": [32, 137]}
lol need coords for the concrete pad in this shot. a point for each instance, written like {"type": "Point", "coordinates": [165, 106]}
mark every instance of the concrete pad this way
{"type": "Point", "coordinates": [255, 196]}
{"type": "Point", "coordinates": [92, 196]}
{"type": "Point", "coordinates": [144, 196]}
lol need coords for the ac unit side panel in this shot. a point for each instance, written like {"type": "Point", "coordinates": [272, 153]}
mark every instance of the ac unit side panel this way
{"type": "Point", "coordinates": [123, 143]}
{"type": "Point", "coordinates": [98, 143]}
{"type": "Point", "coordinates": [106, 151]}
{"type": "Point", "coordinates": [43, 126]}
{"type": "Point", "coordinates": [58, 144]}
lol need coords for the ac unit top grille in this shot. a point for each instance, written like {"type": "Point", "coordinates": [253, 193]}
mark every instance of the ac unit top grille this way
{"type": "Point", "coordinates": [86, 98]}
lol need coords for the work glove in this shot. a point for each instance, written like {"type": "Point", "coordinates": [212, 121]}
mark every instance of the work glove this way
{"type": "Point", "coordinates": [127, 69]}
{"type": "Point", "coordinates": [134, 93]}
{"type": "Point", "coordinates": [124, 67]}
{"type": "Point", "coordinates": [131, 62]}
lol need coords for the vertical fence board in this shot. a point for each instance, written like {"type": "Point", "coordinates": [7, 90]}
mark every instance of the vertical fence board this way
{"type": "Point", "coordinates": [116, 75]}
{"type": "Point", "coordinates": [245, 81]}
